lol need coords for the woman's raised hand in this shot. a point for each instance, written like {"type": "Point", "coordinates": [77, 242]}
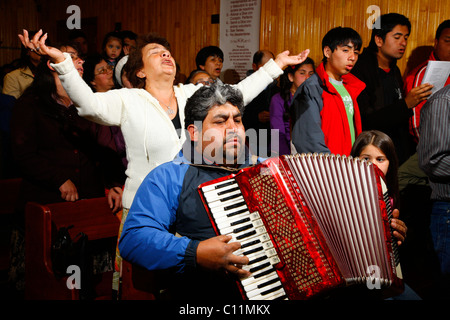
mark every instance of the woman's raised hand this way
{"type": "Point", "coordinates": [284, 59]}
{"type": "Point", "coordinates": [37, 44]}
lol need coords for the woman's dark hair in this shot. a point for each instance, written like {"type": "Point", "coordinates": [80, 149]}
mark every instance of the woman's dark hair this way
{"type": "Point", "coordinates": [387, 23]}
{"type": "Point", "coordinates": [135, 62]}
{"type": "Point", "coordinates": [204, 53]}
{"type": "Point", "coordinates": [286, 84]}
{"type": "Point", "coordinates": [383, 142]}
{"type": "Point", "coordinates": [341, 36]}
{"type": "Point", "coordinates": [89, 68]}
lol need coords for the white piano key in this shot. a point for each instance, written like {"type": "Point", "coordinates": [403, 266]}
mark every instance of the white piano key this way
{"type": "Point", "coordinates": [219, 204]}
{"type": "Point", "coordinates": [259, 284]}
{"type": "Point", "coordinates": [229, 214]}
{"type": "Point", "coordinates": [266, 291]}
{"type": "Point", "coordinates": [234, 220]}
{"type": "Point", "coordinates": [223, 194]}
{"type": "Point", "coordinates": [226, 197]}
{"type": "Point", "coordinates": [256, 276]}
{"type": "Point", "coordinates": [272, 296]}
{"type": "Point", "coordinates": [215, 191]}
{"type": "Point", "coordinates": [239, 229]}
{"type": "Point", "coordinates": [256, 266]}
{"type": "Point", "coordinates": [230, 207]}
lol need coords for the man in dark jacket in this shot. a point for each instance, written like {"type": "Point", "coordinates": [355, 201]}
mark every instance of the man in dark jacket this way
{"type": "Point", "coordinates": [168, 200]}
{"type": "Point", "coordinates": [383, 105]}
{"type": "Point", "coordinates": [168, 227]}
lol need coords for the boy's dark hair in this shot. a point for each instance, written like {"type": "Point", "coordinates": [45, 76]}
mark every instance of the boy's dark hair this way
{"type": "Point", "coordinates": [444, 25]}
{"type": "Point", "coordinates": [341, 36]}
{"type": "Point", "coordinates": [204, 53]}
{"type": "Point", "coordinates": [387, 23]}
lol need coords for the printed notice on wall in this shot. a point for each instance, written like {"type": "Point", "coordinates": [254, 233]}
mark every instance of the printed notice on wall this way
{"type": "Point", "coordinates": [239, 36]}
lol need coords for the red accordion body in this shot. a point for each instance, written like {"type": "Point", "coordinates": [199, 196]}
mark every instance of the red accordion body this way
{"type": "Point", "coordinates": [326, 219]}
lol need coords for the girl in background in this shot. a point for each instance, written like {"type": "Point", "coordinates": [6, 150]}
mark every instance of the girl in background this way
{"type": "Point", "coordinates": [112, 48]}
{"type": "Point", "coordinates": [290, 80]}
{"type": "Point", "coordinates": [378, 148]}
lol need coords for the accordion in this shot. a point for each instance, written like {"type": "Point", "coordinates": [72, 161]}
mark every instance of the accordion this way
{"type": "Point", "coordinates": [308, 223]}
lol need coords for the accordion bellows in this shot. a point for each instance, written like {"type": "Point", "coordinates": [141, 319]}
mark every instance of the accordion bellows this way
{"type": "Point", "coordinates": [309, 223]}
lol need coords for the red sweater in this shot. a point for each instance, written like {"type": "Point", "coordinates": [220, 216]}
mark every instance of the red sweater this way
{"type": "Point", "coordinates": [334, 116]}
{"type": "Point", "coordinates": [414, 79]}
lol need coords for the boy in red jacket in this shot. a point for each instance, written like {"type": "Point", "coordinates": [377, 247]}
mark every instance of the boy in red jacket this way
{"type": "Point", "coordinates": [326, 116]}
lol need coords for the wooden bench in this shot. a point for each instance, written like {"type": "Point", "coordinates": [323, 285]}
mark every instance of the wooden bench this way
{"type": "Point", "coordinates": [92, 217]}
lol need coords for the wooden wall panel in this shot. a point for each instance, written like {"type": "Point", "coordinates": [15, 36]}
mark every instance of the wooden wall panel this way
{"type": "Point", "coordinates": [285, 24]}
{"type": "Point", "coordinates": [299, 24]}
{"type": "Point", "coordinates": [14, 16]}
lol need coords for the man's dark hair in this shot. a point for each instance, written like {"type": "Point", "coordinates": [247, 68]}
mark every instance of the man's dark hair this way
{"type": "Point", "coordinates": [204, 53]}
{"type": "Point", "coordinates": [444, 25]}
{"type": "Point", "coordinates": [259, 55]}
{"type": "Point", "coordinates": [387, 23]}
{"type": "Point", "coordinates": [341, 36]}
{"type": "Point", "coordinates": [199, 104]}
{"type": "Point", "coordinates": [129, 34]}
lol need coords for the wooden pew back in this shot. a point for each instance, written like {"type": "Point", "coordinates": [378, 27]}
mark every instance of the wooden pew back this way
{"type": "Point", "coordinates": [91, 216]}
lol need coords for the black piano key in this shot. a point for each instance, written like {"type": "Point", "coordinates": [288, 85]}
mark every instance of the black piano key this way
{"type": "Point", "coordinates": [220, 193]}
{"type": "Point", "coordinates": [259, 259]}
{"type": "Point", "coordinates": [264, 273]}
{"type": "Point", "coordinates": [225, 184]}
{"type": "Point", "coordinates": [236, 205]}
{"type": "Point", "coordinates": [264, 265]}
{"type": "Point", "coordinates": [246, 227]}
{"type": "Point", "coordinates": [245, 235]}
{"type": "Point", "coordinates": [235, 223]}
{"type": "Point", "coordinates": [252, 251]}
{"type": "Point", "coordinates": [237, 195]}
{"type": "Point", "coordinates": [271, 290]}
{"type": "Point", "coordinates": [236, 213]}
{"type": "Point", "coordinates": [262, 285]}
{"type": "Point", "coordinates": [249, 244]}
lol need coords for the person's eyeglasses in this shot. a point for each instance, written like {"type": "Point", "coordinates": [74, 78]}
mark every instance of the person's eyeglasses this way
{"type": "Point", "coordinates": [104, 70]}
{"type": "Point", "coordinates": [205, 82]}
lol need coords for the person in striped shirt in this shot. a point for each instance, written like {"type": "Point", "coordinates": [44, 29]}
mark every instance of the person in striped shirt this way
{"type": "Point", "coordinates": [434, 159]}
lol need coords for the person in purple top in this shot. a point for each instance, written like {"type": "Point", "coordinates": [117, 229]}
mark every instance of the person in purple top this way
{"type": "Point", "coordinates": [290, 80]}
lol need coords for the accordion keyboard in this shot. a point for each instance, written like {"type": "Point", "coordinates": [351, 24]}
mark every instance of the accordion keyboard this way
{"type": "Point", "coordinates": [232, 217]}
